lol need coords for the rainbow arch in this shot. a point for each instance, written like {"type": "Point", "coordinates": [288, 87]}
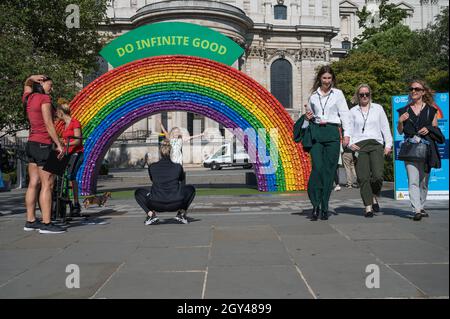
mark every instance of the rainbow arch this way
{"type": "Point", "coordinates": [123, 96]}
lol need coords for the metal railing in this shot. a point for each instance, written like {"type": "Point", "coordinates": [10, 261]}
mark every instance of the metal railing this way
{"type": "Point", "coordinates": [139, 135]}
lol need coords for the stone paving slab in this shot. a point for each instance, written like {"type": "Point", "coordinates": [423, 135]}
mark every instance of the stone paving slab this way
{"type": "Point", "coordinates": [262, 253]}
{"type": "Point", "coordinates": [100, 252]}
{"type": "Point", "coordinates": [332, 277]}
{"type": "Point", "coordinates": [14, 262]}
{"type": "Point", "coordinates": [372, 230]}
{"type": "Point", "coordinates": [407, 251]}
{"type": "Point", "coordinates": [259, 282]}
{"type": "Point", "coordinates": [169, 258]}
{"type": "Point", "coordinates": [48, 280]}
{"type": "Point", "coordinates": [433, 279]}
{"type": "Point", "coordinates": [328, 245]}
{"type": "Point", "coordinates": [130, 283]}
{"type": "Point", "coordinates": [234, 247]}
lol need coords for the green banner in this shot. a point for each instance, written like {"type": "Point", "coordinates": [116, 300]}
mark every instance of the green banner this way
{"type": "Point", "coordinates": [171, 38]}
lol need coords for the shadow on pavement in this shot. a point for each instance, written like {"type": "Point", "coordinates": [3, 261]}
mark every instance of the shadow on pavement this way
{"type": "Point", "coordinates": [384, 211]}
{"type": "Point", "coordinates": [170, 220]}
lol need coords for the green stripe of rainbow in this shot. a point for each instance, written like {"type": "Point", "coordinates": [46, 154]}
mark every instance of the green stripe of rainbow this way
{"type": "Point", "coordinates": [114, 101]}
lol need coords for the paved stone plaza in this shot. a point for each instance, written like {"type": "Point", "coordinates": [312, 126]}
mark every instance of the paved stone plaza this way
{"type": "Point", "coordinates": [259, 246]}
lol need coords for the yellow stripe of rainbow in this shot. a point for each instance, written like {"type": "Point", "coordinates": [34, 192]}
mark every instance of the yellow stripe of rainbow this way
{"type": "Point", "coordinates": [97, 104]}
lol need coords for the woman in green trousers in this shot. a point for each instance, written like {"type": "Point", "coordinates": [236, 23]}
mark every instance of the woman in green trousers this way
{"type": "Point", "coordinates": [371, 140]}
{"type": "Point", "coordinates": [326, 111]}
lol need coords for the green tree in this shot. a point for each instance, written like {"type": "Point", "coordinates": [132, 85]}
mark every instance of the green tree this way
{"type": "Point", "coordinates": [381, 73]}
{"type": "Point", "coordinates": [421, 54]}
{"type": "Point", "coordinates": [389, 16]}
{"type": "Point", "coordinates": [432, 60]}
{"type": "Point", "coordinates": [34, 39]}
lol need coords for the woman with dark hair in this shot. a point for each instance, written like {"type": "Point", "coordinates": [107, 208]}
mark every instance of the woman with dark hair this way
{"type": "Point", "coordinates": [37, 103]}
{"type": "Point", "coordinates": [326, 111]}
{"type": "Point", "coordinates": [418, 122]}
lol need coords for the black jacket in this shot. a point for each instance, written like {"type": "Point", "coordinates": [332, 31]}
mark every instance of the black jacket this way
{"type": "Point", "coordinates": [166, 177]}
{"type": "Point", "coordinates": [434, 137]}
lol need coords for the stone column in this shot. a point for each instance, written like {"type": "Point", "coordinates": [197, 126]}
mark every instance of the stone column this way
{"type": "Point", "coordinates": [305, 8]}
{"type": "Point", "coordinates": [318, 8]}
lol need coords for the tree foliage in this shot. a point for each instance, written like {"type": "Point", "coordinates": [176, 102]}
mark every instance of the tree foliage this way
{"type": "Point", "coordinates": [382, 74]}
{"type": "Point", "coordinates": [389, 16]}
{"type": "Point", "coordinates": [422, 54]}
{"type": "Point", "coordinates": [34, 39]}
{"type": "Point", "coordinates": [389, 57]}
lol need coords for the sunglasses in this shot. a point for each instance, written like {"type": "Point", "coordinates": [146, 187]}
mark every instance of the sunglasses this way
{"type": "Point", "coordinates": [411, 89]}
{"type": "Point", "coordinates": [364, 94]}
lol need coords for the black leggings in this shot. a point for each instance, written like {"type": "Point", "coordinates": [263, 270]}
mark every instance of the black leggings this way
{"type": "Point", "coordinates": [143, 198]}
{"type": "Point", "coordinates": [336, 176]}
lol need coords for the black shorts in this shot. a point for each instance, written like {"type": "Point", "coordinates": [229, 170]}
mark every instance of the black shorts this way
{"type": "Point", "coordinates": [75, 161]}
{"type": "Point", "coordinates": [38, 153]}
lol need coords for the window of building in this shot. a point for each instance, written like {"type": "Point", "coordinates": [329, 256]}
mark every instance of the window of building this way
{"type": "Point", "coordinates": [280, 12]}
{"type": "Point", "coordinates": [346, 45]}
{"type": "Point", "coordinates": [281, 81]}
{"type": "Point", "coordinates": [195, 119]}
{"type": "Point", "coordinates": [164, 120]}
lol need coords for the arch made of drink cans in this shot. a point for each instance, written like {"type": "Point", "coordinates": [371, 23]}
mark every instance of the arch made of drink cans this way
{"type": "Point", "coordinates": [124, 95]}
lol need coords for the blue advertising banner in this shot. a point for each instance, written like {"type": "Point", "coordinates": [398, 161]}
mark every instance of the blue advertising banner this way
{"type": "Point", "coordinates": [1, 180]}
{"type": "Point", "coordinates": [438, 185]}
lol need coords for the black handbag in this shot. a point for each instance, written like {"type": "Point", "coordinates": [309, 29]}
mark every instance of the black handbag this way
{"type": "Point", "coordinates": [413, 152]}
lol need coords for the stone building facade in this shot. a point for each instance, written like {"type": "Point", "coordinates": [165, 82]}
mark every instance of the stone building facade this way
{"type": "Point", "coordinates": [284, 40]}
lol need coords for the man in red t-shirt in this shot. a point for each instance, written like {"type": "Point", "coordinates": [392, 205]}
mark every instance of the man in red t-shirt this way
{"type": "Point", "coordinates": [37, 102]}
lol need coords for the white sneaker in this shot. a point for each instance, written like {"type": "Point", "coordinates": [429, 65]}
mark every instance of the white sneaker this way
{"type": "Point", "coordinates": [337, 188]}
{"type": "Point", "coordinates": [151, 220]}
{"type": "Point", "coordinates": [181, 218]}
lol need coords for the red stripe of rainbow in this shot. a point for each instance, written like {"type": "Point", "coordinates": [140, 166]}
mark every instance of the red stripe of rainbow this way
{"type": "Point", "coordinates": [122, 96]}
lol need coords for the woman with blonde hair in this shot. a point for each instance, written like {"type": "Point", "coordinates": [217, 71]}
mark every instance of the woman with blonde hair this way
{"type": "Point", "coordinates": [371, 140]}
{"type": "Point", "coordinates": [418, 122]}
{"type": "Point", "coordinates": [176, 140]}
{"type": "Point", "coordinates": [168, 192]}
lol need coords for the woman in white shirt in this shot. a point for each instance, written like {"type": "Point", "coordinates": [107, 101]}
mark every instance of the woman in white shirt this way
{"type": "Point", "coordinates": [371, 140]}
{"type": "Point", "coordinates": [326, 111]}
{"type": "Point", "coordinates": [176, 142]}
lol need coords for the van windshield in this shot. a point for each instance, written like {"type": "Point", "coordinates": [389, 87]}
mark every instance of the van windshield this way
{"type": "Point", "coordinates": [220, 152]}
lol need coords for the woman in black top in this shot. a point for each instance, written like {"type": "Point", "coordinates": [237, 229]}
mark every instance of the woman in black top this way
{"type": "Point", "coordinates": [168, 192]}
{"type": "Point", "coordinates": [418, 121]}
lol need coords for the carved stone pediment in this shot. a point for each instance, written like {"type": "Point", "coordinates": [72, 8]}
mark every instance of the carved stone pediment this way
{"type": "Point", "coordinates": [314, 53]}
{"type": "Point", "coordinates": [256, 52]}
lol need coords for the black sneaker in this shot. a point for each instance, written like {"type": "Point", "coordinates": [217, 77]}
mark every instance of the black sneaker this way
{"type": "Point", "coordinates": [368, 214]}
{"type": "Point", "coordinates": [417, 216]}
{"type": "Point", "coordinates": [76, 210]}
{"type": "Point", "coordinates": [376, 207]}
{"type": "Point", "coordinates": [51, 229]}
{"type": "Point", "coordinates": [29, 226]}
{"type": "Point", "coordinates": [424, 213]}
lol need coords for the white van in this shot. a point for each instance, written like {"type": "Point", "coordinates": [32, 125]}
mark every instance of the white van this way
{"type": "Point", "coordinates": [224, 157]}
